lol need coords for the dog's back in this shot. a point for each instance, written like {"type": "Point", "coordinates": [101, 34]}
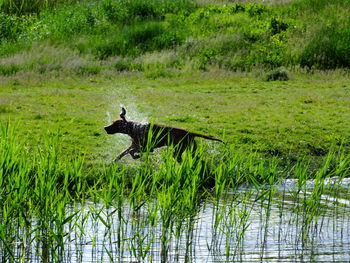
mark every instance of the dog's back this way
{"type": "Point", "coordinates": [167, 135]}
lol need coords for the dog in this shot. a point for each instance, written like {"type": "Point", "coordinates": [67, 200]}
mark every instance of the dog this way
{"type": "Point", "coordinates": [147, 137]}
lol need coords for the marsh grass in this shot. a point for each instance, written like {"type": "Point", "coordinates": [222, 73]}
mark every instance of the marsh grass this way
{"type": "Point", "coordinates": [53, 207]}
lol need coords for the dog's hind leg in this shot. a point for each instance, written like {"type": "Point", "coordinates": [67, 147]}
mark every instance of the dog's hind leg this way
{"type": "Point", "coordinates": [190, 145]}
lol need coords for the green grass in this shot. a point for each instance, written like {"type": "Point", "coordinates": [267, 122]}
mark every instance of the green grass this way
{"type": "Point", "coordinates": [305, 116]}
{"type": "Point", "coordinates": [21, 7]}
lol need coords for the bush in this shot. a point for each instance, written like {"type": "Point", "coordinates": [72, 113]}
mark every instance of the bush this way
{"type": "Point", "coordinates": [277, 74]}
{"type": "Point", "coordinates": [277, 26]}
{"type": "Point", "coordinates": [235, 36]}
{"type": "Point", "coordinates": [328, 48]}
{"type": "Point", "coordinates": [114, 11]}
{"type": "Point", "coordinates": [10, 27]}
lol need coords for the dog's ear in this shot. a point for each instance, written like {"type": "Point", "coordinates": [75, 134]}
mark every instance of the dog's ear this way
{"type": "Point", "coordinates": [122, 114]}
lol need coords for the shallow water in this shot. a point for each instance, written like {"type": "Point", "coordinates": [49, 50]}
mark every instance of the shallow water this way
{"type": "Point", "coordinates": [277, 224]}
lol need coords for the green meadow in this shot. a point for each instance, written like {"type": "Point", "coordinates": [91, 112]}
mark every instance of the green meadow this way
{"type": "Point", "coordinates": [271, 79]}
{"type": "Point", "coordinates": [304, 117]}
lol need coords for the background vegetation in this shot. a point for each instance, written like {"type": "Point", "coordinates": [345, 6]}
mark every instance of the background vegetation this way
{"type": "Point", "coordinates": [161, 37]}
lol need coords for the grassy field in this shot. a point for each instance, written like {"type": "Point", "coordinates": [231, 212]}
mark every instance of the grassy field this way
{"type": "Point", "coordinates": [305, 116]}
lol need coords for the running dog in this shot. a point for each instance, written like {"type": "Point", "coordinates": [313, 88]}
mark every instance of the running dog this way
{"type": "Point", "coordinates": [147, 136]}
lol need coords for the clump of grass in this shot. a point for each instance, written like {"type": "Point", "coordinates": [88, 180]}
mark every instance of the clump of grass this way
{"type": "Point", "coordinates": [277, 74]}
{"type": "Point", "coordinates": [5, 108]}
{"type": "Point", "coordinates": [8, 70]}
{"type": "Point", "coordinates": [88, 70]}
{"type": "Point", "coordinates": [125, 64]}
{"type": "Point", "coordinates": [36, 185]}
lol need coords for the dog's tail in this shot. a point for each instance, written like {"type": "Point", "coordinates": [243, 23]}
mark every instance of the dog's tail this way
{"type": "Point", "coordinates": [207, 137]}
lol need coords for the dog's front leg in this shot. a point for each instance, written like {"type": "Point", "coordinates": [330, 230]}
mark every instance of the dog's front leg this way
{"type": "Point", "coordinates": [123, 153]}
{"type": "Point", "coordinates": [135, 153]}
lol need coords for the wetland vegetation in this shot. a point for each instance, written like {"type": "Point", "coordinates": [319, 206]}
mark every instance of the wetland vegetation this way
{"type": "Point", "coordinates": [270, 79]}
{"type": "Point", "coordinates": [207, 208]}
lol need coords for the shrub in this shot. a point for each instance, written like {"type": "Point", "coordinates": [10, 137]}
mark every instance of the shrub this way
{"type": "Point", "coordinates": [108, 48]}
{"type": "Point", "coordinates": [328, 48]}
{"type": "Point", "coordinates": [237, 36]}
{"type": "Point", "coordinates": [216, 19]}
{"type": "Point", "coordinates": [277, 74]}
{"type": "Point", "coordinates": [143, 34]}
{"type": "Point", "coordinates": [115, 11]}
{"type": "Point", "coordinates": [277, 26]}
{"type": "Point", "coordinates": [10, 27]}
{"type": "Point", "coordinates": [206, 56]}
{"type": "Point", "coordinates": [122, 65]}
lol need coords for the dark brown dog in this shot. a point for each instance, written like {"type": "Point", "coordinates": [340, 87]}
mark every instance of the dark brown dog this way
{"type": "Point", "coordinates": [153, 136]}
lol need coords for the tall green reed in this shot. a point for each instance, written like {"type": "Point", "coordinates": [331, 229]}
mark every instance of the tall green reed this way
{"type": "Point", "coordinates": [44, 196]}
{"type": "Point", "coordinates": [35, 190]}
{"type": "Point", "coordinates": [15, 173]}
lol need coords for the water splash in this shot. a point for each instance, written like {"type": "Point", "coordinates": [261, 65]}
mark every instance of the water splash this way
{"type": "Point", "coordinates": [118, 142]}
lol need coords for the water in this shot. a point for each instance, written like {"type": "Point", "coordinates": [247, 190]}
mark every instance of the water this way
{"type": "Point", "coordinates": [278, 224]}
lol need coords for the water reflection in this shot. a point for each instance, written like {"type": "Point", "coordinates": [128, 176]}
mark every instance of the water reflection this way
{"type": "Point", "coordinates": [235, 228]}
{"type": "Point", "coordinates": [277, 224]}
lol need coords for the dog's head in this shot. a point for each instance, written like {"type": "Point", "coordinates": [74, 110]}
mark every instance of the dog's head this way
{"type": "Point", "coordinates": [118, 125]}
